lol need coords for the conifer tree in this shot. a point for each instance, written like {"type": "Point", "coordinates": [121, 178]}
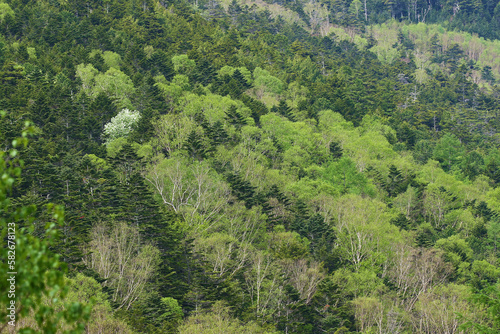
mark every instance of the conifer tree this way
{"type": "Point", "coordinates": [234, 117]}
{"type": "Point", "coordinates": [335, 150]}
{"type": "Point", "coordinates": [395, 182]}
{"type": "Point", "coordinates": [218, 135]}
{"type": "Point", "coordinates": [204, 71]}
{"type": "Point", "coordinates": [493, 171]}
{"type": "Point", "coordinates": [242, 82]}
{"type": "Point", "coordinates": [194, 146]}
{"type": "Point", "coordinates": [242, 189]}
{"type": "Point", "coordinates": [284, 110]}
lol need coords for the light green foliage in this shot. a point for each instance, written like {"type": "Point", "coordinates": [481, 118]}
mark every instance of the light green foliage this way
{"type": "Point", "coordinates": [406, 202]}
{"type": "Point", "coordinates": [437, 308]}
{"type": "Point", "coordinates": [223, 253]}
{"type": "Point", "coordinates": [361, 283]}
{"type": "Point", "coordinates": [456, 251]}
{"type": "Point", "coordinates": [299, 137]}
{"type": "Point", "coordinates": [229, 70]}
{"type": "Point", "coordinates": [218, 320]}
{"type": "Point", "coordinates": [436, 204]}
{"type": "Point", "coordinates": [345, 177]}
{"type": "Point", "coordinates": [493, 199]}
{"type": "Point", "coordinates": [364, 234]}
{"type": "Point", "coordinates": [476, 48]}
{"type": "Point", "coordinates": [449, 151]}
{"type": "Point", "coordinates": [86, 73]}
{"type": "Point", "coordinates": [83, 289]}
{"type": "Point", "coordinates": [213, 107]}
{"type": "Point", "coordinates": [171, 311]}
{"type": "Point", "coordinates": [114, 83]}
{"type": "Point", "coordinates": [117, 85]}
{"type": "Point", "coordinates": [126, 263]}
{"type": "Point", "coordinates": [489, 299]}
{"type": "Point", "coordinates": [173, 130]}
{"type": "Point", "coordinates": [31, 52]}
{"type": "Point", "coordinates": [296, 93]}
{"type": "Point", "coordinates": [311, 189]}
{"type": "Point", "coordinates": [333, 122]}
{"type": "Point", "coordinates": [462, 220]}
{"type": "Point", "coordinates": [377, 315]}
{"type": "Point", "coordinates": [174, 90]}
{"type": "Point", "coordinates": [183, 65]}
{"type": "Point", "coordinates": [485, 272]}
{"type": "Point", "coordinates": [5, 10]}
{"type": "Point", "coordinates": [112, 59]}
{"type": "Point", "coordinates": [121, 125]}
{"type": "Point", "coordinates": [144, 151]}
{"type": "Point", "coordinates": [288, 245]}
{"type": "Point", "coordinates": [191, 189]}
{"type": "Point", "coordinates": [264, 81]}
{"type": "Point", "coordinates": [99, 163]}
{"type": "Point", "coordinates": [114, 146]}
{"type": "Point", "coordinates": [39, 272]}
{"type": "Point", "coordinates": [432, 173]}
{"type": "Point", "coordinates": [365, 145]}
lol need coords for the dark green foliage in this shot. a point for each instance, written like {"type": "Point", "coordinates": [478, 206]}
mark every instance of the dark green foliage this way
{"type": "Point", "coordinates": [395, 183]}
{"type": "Point", "coordinates": [204, 72]}
{"type": "Point", "coordinates": [240, 80]}
{"type": "Point", "coordinates": [284, 110]}
{"type": "Point", "coordinates": [426, 236]}
{"type": "Point", "coordinates": [98, 61]}
{"type": "Point", "coordinates": [473, 165]}
{"type": "Point", "coordinates": [233, 117]}
{"type": "Point", "coordinates": [336, 150]}
{"type": "Point", "coordinates": [195, 147]}
{"type": "Point", "coordinates": [257, 107]}
{"type": "Point", "coordinates": [402, 222]}
{"type": "Point", "coordinates": [492, 170]}
{"type": "Point", "coordinates": [242, 189]}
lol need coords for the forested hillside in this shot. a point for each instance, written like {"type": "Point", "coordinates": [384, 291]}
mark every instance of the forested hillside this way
{"type": "Point", "coordinates": [252, 167]}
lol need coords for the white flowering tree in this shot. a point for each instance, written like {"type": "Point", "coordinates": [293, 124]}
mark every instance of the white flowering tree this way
{"type": "Point", "coordinates": [121, 125]}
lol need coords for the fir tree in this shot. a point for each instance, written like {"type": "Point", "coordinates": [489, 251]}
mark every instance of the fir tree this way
{"type": "Point", "coordinates": [336, 150]}
{"type": "Point", "coordinates": [492, 170]}
{"type": "Point", "coordinates": [240, 80]}
{"type": "Point", "coordinates": [284, 110]}
{"type": "Point", "coordinates": [204, 72]}
{"type": "Point", "coordinates": [218, 135]}
{"type": "Point", "coordinates": [233, 117]}
{"type": "Point", "coordinates": [242, 189]}
{"type": "Point", "coordinates": [395, 182]}
{"type": "Point", "coordinates": [194, 146]}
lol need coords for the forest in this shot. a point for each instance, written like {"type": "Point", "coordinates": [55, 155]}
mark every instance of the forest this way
{"type": "Point", "coordinates": [250, 166]}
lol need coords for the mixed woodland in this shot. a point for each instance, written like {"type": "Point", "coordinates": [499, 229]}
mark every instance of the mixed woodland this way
{"type": "Point", "coordinates": [252, 166]}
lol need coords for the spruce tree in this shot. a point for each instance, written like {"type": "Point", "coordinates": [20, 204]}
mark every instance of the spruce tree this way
{"type": "Point", "coordinates": [285, 110]}
{"type": "Point", "coordinates": [240, 79]}
{"type": "Point", "coordinates": [242, 189]}
{"type": "Point", "coordinates": [336, 150]}
{"type": "Point", "coordinates": [492, 170]}
{"type": "Point", "coordinates": [218, 135]}
{"type": "Point", "coordinates": [204, 72]}
{"type": "Point", "coordinates": [233, 117]}
{"type": "Point", "coordinates": [194, 146]}
{"type": "Point", "coordinates": [395, 183]}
